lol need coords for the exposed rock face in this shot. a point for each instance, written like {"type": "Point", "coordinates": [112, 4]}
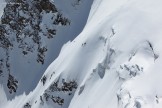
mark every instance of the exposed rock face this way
{"type": "Point", "coordinates": [57, 92]}
{"type": "Point", "coordinates": [22, 27]}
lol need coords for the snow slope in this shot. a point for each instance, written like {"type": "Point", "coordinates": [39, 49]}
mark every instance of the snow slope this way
{"type": "Point", "coordinates": [115, 62]}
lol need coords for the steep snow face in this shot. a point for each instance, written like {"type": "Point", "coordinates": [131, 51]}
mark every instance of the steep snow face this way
{"type": "Point", "coordinates": [33, 33]}
{"type": "Point", "coordinates": [114, 62]}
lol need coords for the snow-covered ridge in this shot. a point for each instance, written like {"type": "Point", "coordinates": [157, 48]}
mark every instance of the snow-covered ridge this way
{"type": "Point", "coordinates": [115, 62]}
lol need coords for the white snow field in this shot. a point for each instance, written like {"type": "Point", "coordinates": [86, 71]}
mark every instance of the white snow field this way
{"type": "Point", "coordinates": [115, 62]}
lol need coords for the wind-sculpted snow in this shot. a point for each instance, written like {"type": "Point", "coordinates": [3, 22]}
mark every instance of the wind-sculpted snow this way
{"type": "Point", "coordinates": [115, 62]}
